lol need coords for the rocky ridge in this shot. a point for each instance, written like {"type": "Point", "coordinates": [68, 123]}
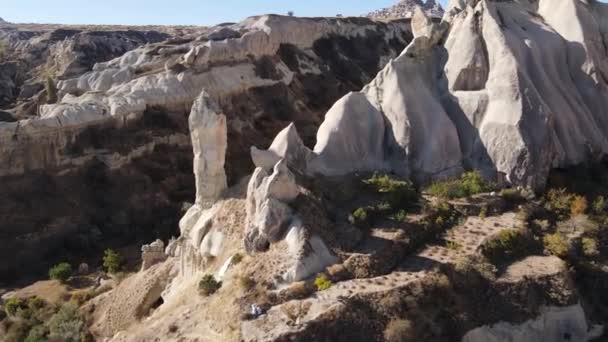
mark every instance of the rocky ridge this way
{"type": "Point", "coordinates": [127, 118]}
{"type": "Point", "coordinates": [406, 8]}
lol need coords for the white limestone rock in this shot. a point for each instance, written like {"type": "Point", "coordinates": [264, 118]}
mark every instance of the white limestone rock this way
{"type": "Point", "coordinates": [552, 325]}
{"type": "Point", "coordinates": [309, 253]}
{"type": "Point", "coordinates": [268, 212]}
{"type": "Point", "coordinates": [209, 135]}
{"type": "Point", "coordinates": [152, 254]}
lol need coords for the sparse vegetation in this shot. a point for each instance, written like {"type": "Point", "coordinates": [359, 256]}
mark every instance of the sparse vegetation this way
{"type": "Point", "coordinates": [246, 282]}
{"type": "Point", "coordinates": [399, 193]}
{"type": "Point", "coordinates": [112, 261]}
{"type": "Point", "coordinates": [67, 324]}
{"type": "Point", "coordinates": [507, 245]}
{"type": "Point", "coordinates": [400, 216]}
{"type": "Point", "coordinates": [322, 283]}
{"type": "Point", "coordinates": [578, 206]}
{"type": "Point", "coordinates": [208, 285]}
{"type": "Point", "coordinates": [556, 244]}
{"type": "Point", "coordinates": [399, 330]}
{"type": "Point", "coordinates": [599, 205]}
{"type": "Point", "coordinates": [453, 245]}
{"type": "Point", "coordinates": [590, 247]}
{"type": "Point", "coordinates": [298, 290]}
{"type": "Point", "coordinates": [61, 272]}
{"type": "Point", "coordinates": [469, 184]}
{"type": "Point", "coordinates": [558, 202]}
{"type": "Point", "coordinates": [237, 258]}
{"type": "Point", "coordinates": [359, 217]}
{"type": "Point", "coordinates": [12, 305]}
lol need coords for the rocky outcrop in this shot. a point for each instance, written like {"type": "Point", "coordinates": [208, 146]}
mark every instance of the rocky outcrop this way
{"type": "Point", "coordinates": [406, 8]}
{"type": "Point", "coordinates": [209, 136]}
{"type": "Point", "coordinates": [554, 324]}
{"type": "Point", "coordinates": [152, 254]}
{"type": "Point", "coordinates": [446, 105]}
{"type": "Point", "coordinates": [127, 119]}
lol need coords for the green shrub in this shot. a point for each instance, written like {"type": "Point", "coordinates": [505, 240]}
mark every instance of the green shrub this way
{"type": "Point", "coordinates": [37, 334]}
{"type": "Point", "coordinates": [590, 247]}
{"type": "Point", "coordinates": [12, 305]}
{"type": "Point", "coordinates": [507, 245]}
{"type": "Point", "coordinates": [359, 217]}
{"type": "Point", "coordinates": [469, 184]}
{"type": "Point", "coordinates": [556, 244]}
{"type": "Point", "coordinates": [67, 324]}
{"type": "Point", "coordinates": [112, 261]}
{"type": "Point", "coordinates": [599, 205]}
{"type": "Point", "coordinates": [399, 330]}
{"type": "Point", "coordinates": [558, 202]}
{"type": "Point", "coordinates": [61, 272]}
{"type": "Point", "coordinates": [322, 283]}
{"type": "Point", "coordinates": [399, 193]}
{"type": "Point", "coordinates": [236, 259]}
{"type": "Point", "coordinates": [400, 216]}
{"type": "Point", "coordinates": [208, 285]}
{"type": "Point", "coordinates": [453, 245]}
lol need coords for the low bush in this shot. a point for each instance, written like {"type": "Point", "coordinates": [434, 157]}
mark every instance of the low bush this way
{"type": "Point", "coordinates": [558, 202]}
{"type": "Point", "coordinates": [400, 216]}
{"type": "Point", "coordinates": [37, 334]}
{"type": "Point", "coordinates": [322, 283]}
{"type": "Point", "coordinates": [359, 217]}
{"type": "Point", "coordinates": [469, 184]}
{"type": "Point", "coordinates": [590, 247]}
{"type": "Point", "coordinates": [399, 330]}
{"type": "Point", "coordinates": [453, 245]}
{"type": "Point", "coordinates": [578, 206]}
{"type": "Point", "coordinates": [236, 259]}
{"type": "Point", "coordinates": [112, 261]}
{"type": "Point", "coordinates": [12, 305]}
{"type": "Point", "coordinates": [298, 290]}
{"type": "Point", "coordinates": [599, 206]}
{"type": "Point", "coordinates": [208, 285]}
{"type": "Point", "coordinates": [507, 245]}
{"type": "Point", "coordinates": [399, 193]}
{"type": "Point", "coordinates": [247, 283]}
{"type": "Point", "coordinates": [61, 272]}
{"type": "Point", "coordinates": [556, 244]}
{"type": "Point", "coordinates": [67, 324]}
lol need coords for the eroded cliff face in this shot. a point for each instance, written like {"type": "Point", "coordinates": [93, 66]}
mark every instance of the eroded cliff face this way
{"type": "Point", "coordinates": [505, 87]}
{"type": "Point", "coordinates": [127, 119]}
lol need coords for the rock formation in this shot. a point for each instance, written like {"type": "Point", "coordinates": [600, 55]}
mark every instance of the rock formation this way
{"type": "Point", "coordinates": [406, 8]}
{"type": "Point", "coordinates": [125, 119]}
{"type": "Point", "coordinates": [446, 106]}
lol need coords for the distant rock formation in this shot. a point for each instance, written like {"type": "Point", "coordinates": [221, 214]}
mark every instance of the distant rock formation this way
{"type": "Point", "coordinates": [406, 8]}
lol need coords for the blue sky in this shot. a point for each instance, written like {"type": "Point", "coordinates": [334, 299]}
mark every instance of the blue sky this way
{"type": "Point", "coordinates": [173, 12]}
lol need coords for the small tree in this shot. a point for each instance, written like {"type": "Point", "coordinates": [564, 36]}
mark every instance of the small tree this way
{"type": "Point", "coordinates": [208, 285]}
{"type": "Point", "coordinates": [61, 272]}
{"type": "Point", "coordinates": [290, 13]}
{"type": "Point", "coordinates": [111, 261]}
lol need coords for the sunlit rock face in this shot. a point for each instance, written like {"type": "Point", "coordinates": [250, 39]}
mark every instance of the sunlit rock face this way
{"type": "Point", "coordinates": [509, 88]}
{"type": "Point", "coordinates": [123, 117]}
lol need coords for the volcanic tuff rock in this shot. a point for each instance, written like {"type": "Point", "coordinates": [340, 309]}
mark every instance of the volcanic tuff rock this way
{"type": "Point", "coordinates": [406, 8]}
{"type": "Point", "coordinates": [488, 93]}
{"type": "Point", "coordinates": [126, 119]}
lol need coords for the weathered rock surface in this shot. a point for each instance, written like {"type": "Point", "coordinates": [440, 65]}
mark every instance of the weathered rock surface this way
{"type": "Point", "coordinates": [406, 8]}
{"type": "Point", "coordinates": [127, 119]}
{"type": "Point", "coordinates": [488, 93]}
